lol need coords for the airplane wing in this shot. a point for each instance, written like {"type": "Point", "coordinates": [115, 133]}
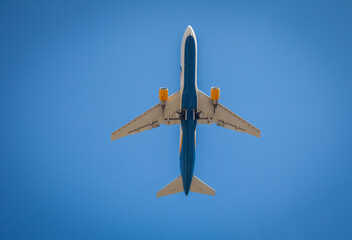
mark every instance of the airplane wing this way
{"type": "Point", "coordinates": [222, 116]}
{"type": "Point", "coordinates": [152, 118]}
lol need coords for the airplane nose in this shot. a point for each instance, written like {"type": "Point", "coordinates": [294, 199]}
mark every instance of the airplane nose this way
{"type": "Point", "coordinates": [189, 30]}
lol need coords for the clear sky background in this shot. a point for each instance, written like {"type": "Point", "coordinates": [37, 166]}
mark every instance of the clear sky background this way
{"type": "Point", "coordinates": [71, 73]}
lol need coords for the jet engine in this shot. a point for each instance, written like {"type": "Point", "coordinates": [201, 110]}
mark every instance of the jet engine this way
{"type": "Point", "coordinates": [215, 95]}
{"type": "Point", "coordinates": [163, 96]}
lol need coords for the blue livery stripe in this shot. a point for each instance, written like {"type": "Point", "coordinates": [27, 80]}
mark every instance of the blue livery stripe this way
{"type": "Point", "coordinates": [189, 103]}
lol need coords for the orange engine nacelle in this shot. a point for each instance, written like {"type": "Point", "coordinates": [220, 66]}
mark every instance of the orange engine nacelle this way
{"type": "Point", "coordinates": [215, 93]}
{"type": "Point", "coordinates": [163, 94]}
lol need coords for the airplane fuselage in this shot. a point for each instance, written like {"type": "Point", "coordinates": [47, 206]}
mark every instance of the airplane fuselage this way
{"type": "Point", "coordinates": [189, 91]}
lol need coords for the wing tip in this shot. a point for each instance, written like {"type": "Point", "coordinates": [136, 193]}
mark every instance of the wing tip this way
{"type": "Point", "coordinates": [113, 136]}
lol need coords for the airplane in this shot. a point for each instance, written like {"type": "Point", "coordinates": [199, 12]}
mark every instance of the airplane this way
{"type": "Point", "coordinates": [188, 107]}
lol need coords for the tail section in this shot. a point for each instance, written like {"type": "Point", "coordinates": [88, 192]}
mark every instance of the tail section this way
{"type": "Point", "coordinates": [176, 186]}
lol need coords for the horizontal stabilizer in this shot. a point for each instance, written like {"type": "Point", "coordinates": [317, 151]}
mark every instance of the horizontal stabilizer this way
{"type": "Point", "coordinates": [175, 186]}
{"type": "Point", "coordinates": [200, 187]}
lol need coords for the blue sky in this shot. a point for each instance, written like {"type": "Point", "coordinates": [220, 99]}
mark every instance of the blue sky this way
{"type": "Point", "coordinates": [71, 73]}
